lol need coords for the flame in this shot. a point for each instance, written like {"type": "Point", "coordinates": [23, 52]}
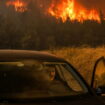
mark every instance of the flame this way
{"type": "Point", "coordinates": [72, 10]}
{"type": "Point", "coordinates": [19, 5]}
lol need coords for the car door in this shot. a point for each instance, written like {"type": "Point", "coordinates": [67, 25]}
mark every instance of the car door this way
{"type": "Point", "coordinates": [69, 88]}
{"type": "Point", "coordinates": [98, 78]}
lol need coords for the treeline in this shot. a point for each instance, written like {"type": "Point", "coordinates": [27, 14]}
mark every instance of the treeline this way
{"type": "Point", "coordinates": [34, 29]}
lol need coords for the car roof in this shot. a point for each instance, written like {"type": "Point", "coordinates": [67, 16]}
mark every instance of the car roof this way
{"type": "Point", "coordinates": [28, 54]}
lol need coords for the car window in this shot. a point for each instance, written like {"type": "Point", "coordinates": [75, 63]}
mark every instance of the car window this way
{"type": "Point", "coordinates": [34, 79]}
{"type": "Point", "coordinates": [71, 81]}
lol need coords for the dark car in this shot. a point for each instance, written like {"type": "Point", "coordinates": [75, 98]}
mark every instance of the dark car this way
{"type": "Point", "coordinates": [39, 78]}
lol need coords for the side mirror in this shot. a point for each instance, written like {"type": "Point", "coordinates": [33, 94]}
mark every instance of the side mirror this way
{"type": "Point", "coordinates": [98, 77]}
{"type": "Point", "coordinates": [100, 91]}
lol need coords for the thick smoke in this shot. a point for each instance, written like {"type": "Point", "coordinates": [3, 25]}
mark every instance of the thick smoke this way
{"type": "Point", "coordinates": [91, 4]}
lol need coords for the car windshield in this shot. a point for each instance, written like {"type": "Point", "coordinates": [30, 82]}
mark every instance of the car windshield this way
{"type": "Point", "coordinates": [37, 79]}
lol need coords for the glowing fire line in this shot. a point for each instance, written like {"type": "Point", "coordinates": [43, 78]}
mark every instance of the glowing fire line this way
{"type": "Point", "coordinates": [19, 5]}
{"type": "Point", "coordinates": [67, 9]}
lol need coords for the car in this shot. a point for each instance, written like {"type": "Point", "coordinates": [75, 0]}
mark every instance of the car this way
{"type": "Point", "coordinates": [40, 78]}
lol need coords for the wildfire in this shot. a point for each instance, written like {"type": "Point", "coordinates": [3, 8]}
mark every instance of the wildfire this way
{"type": "Point", "coordinates": [19, 5]}
{"type": "Point", "coordinates": [72, 10]}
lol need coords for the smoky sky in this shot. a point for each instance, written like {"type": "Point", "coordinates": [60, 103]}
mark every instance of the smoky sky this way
{"type": "Point", "coordinates": [98, 4]}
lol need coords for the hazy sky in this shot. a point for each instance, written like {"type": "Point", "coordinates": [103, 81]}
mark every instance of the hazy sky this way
{"type": "Point", "coordinates": [99, 4]}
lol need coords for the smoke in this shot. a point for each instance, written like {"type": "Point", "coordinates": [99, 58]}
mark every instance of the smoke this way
{"type": "Point", "coordinates": [93, 4]}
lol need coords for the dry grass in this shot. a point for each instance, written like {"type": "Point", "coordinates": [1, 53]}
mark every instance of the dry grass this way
{"type": "Point", "coordinates": [82, 58]}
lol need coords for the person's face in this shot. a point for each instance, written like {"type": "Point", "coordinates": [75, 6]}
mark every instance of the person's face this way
{"type": "Point", "coordinates": [52, 73]}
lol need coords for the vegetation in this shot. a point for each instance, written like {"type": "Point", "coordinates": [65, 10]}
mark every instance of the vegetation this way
{"type": "Point", "coordinates": [33, 29]}
{"type": "Point", "coordinates": [82, 58]}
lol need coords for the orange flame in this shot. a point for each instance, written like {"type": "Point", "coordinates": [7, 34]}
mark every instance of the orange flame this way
{"type": "Point", "coordinates": [72, 10]}
{"type": "Point", "coordinates": [19, 5]}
